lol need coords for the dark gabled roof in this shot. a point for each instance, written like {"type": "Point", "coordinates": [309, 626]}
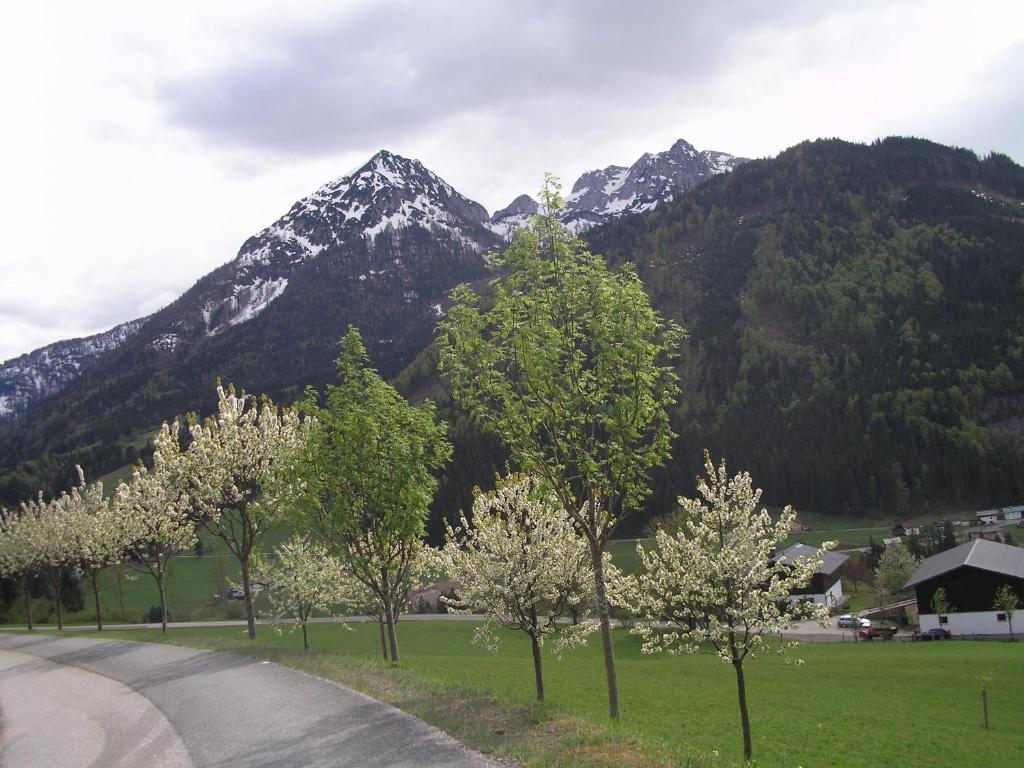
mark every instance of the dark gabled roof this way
{"type": "Point", "coordinates": [980, 553]}
{"type": "Point", "coordinates": [830, 561]}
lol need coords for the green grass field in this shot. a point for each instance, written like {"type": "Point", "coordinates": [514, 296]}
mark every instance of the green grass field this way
{"type": "Point", "coordinates": [191, 583]}
{"type": "Point", "coordinates": [906, 704]}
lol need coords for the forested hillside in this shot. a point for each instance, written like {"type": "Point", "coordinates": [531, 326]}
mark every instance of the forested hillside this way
{"type": "Point", "coordinates": [857, 323]}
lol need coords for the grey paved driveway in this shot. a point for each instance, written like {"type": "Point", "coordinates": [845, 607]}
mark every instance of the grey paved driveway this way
{"type": "Point", "coordinates": [225, 710]}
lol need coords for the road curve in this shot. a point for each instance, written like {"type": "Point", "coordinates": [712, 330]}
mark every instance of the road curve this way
{"type": "Point", "coordinates": [196, 708]}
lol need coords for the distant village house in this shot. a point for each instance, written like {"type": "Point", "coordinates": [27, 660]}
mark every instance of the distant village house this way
{"type": "Point", "coordinates": [826, 587]}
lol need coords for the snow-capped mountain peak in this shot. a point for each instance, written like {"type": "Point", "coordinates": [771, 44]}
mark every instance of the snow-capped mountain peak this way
{"type": "Point", "coordinates": [390, 233]}
{"type": "Point", "coordinates": [653, 179]}
{"type": "Point", "coordinates": [388, 193]}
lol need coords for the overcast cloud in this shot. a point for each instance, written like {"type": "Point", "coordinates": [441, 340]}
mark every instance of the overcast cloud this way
{"type": "Point", "coordinates": [142, 145]}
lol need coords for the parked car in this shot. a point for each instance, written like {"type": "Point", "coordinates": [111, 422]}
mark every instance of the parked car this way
{"type": "Point", "coordinates": [849, 620]}
{"type": "Point", "coordinates": [236, 593]}
{"type": "Point", "coordinates": [935, 633]}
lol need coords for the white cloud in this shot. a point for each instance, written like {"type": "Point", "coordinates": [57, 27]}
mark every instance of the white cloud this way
{"type": "Point", "coordinates": [143, 143]}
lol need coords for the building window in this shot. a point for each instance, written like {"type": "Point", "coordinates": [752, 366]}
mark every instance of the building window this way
{"type": "Point", "coordinates": [1000, 617]}
{"type": "Point", "coordinates": [943, 620]}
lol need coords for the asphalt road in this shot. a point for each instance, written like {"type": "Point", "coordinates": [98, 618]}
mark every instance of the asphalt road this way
{"type": "Point", "coordinates": [87, 702]}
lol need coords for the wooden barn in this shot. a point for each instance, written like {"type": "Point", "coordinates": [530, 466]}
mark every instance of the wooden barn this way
{"type": "Point", "coordinates": [970, 574]}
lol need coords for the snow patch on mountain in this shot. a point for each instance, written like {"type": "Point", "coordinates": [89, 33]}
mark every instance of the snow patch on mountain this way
{"type": "Point", "coordinates": [47, 370]}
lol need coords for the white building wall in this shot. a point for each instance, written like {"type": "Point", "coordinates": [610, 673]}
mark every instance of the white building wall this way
{"type": "Point", "coordinates": [835, 594]}
{"type": "Point", "coordinates": [830, 599]}
{"type": "Point", "coordinates": [977, 623]}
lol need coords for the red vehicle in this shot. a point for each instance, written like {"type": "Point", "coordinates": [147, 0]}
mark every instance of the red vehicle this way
{"type": "Point", "coordinates": [882, 633]}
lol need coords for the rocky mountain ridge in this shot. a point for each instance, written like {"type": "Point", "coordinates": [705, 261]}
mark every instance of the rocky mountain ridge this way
{"type": "Point", "coordinates": [392, 228]}
{"type": "Point", "coordinates": [45, 371]}
{"type": "Point", "coordinates": [615, 192]}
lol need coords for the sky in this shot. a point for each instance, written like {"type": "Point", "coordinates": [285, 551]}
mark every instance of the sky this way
{"type": "Point", "coordinates": [142, 143]}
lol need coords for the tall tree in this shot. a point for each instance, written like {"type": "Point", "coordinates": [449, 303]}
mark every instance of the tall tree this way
{"type": "Point", "coordinates": [365, 478]}
{"type": "Point", "coordinates": [154, 511]}
{"type": "Point", "coordinates": [717, 582]}
{"type": "Point", "coordinates": [521, 564]}
{"type": "Point", "coordinates": [572, 369]}
{"type": "Point", "coordinates": [234, 458]}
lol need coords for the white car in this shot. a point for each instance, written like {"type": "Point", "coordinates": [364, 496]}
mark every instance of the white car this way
{"type": "Point", "coordinates": [849, 620]}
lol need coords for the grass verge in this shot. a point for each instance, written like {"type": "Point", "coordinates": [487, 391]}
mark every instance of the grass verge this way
{"type": "Point", "coordinates": [907, 704]}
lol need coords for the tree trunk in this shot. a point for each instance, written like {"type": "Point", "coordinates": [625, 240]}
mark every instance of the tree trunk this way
{"type": "Point", "coordinates": [57, 584]}
{"type": "Point", "coordinates": [537, 674]}
{"type": "Point", "coordinates": [94, 576]}
{"type": "Point", "coordinates": [305, 637]}
{"type": "Point", "coordinates": [119, 577]}
{"type": "Point", "coordinates": [383, 638]}
{"type": "Point", "coordinates": [741, 689]}
{"type": "Point", "coordinates": [604, 616]}
{"type": "Point", "coordinates": [389, 613]}
{"type": "Point", "coordinates": [250, 613]}
{"type": "Point", "coordinates": [28, 601]}
{"type": "Point", "coordinates": [163, 605]}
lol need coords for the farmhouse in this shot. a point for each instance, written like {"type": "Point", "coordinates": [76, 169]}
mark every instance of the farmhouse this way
{"type": "Point", "coordinates": [826, 588]}
{"type": "Point", "coordinates": [1014, 513]}
{"type": "Point", "coordinates": [906, 528]}
{"type": "Point", "coordinates": [987, 516]}
{"type": "Point", "coordinates": [971, 574]}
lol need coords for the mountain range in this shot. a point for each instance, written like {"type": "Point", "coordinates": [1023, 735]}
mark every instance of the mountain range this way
{"type": "Point", "coordinates": [855, 317]}
{"type": "Point", "coordinates": [392, 230]}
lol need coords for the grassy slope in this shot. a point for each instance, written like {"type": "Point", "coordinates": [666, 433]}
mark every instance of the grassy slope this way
{"type": "Point", "coordinates": [849, 705]}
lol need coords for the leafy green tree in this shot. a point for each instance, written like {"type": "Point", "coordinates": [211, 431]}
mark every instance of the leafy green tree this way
{"type": "Point", "coordinates": [365, 478]}
{"type": "Point", "coordinates": [1008, 602]}
{"type": "Point", "coordinates": [940, 602]}
{"type": "Point", "coordinates": [572, 368]}
{"type": "Point", "coordinates": [895, 567]}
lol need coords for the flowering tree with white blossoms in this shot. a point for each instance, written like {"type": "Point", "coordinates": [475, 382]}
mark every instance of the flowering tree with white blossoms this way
{"type": "Point", "coordinates": [233, 459]}
{"type": "Point", "coordinates": [98, 534]}
{"type": "Point", "coordinates": [304, 578]}
{"type": "Point", "coordinates": [716, 581]}
{"type": "Point", "coordinates": [47, 529]}
{"type": "Point", "coordinates": [521, 563]}
{"type": "Point", "coordinates": [17, 555]}
{"type": "Point", "coordinates": [153, 511]}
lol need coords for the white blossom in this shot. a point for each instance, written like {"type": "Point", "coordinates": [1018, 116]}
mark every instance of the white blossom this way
{"type": "Point", "coordinates": [716, 583]}
{"type": "Point", "coordinates": [521, 564]}
{"type": "Point", "coordinates": [153, 510]}
{"type": "Point", "coordinates": [233, 464]}
{"type": "Point", "coordinates": [304, 578]}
